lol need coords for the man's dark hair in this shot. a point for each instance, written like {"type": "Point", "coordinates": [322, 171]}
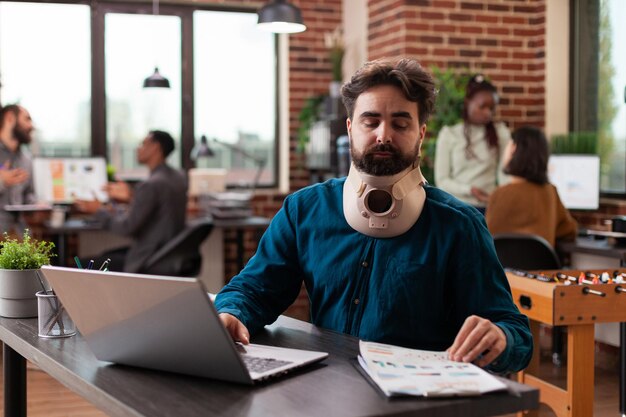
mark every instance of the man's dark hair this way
{"type": "Point", "coordinates": [165, 140]}
{"type": "Point", "coordinates": [416, 84]}
{"type": "Point", "coordinates": [13, 108]}
{"type": "Point", "coordinates": [530, 159]}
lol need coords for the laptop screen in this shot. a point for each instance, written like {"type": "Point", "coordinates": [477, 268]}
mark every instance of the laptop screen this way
{"type": "Point", "coordinates": [63, 180]}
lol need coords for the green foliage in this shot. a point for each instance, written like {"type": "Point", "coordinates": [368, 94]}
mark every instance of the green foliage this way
{"type": "Point", "coordinates": [308, 115]}
{"type": "Point", "coordinates": [448, 111]}
{"type": "Point", "coordinates": [575, 143]}
{"type": "Point", "coordinates": [27, 254]}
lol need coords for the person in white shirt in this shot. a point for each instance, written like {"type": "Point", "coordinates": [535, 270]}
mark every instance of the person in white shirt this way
{"type": "Point", "coordinates": [468, 156]}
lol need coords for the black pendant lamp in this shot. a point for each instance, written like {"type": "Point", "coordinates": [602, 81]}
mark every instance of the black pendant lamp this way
{"type": "Point", "coordinates": [278, 16]}
{"type": "Point", "coordinates": [156, 79]}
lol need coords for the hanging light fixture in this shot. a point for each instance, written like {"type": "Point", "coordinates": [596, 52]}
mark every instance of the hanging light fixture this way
{"type": "Point", "coordinates": [278, 16]}
{"type": "Point", "coordinates": [156, 79]}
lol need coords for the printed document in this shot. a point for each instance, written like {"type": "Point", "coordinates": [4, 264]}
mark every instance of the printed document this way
{"type": "Point", "coordinates": [401, 371]}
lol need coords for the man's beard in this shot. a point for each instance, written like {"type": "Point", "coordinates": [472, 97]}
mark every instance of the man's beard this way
{"type": "Point", "coordinates": [367, 163]}
{"type": "Point", "coordinates": [22, 135]}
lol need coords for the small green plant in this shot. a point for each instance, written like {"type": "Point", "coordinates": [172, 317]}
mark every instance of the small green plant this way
{"type": "Point", "coordinates": [575, 143]}
{"type": "Point", "coordinates": [25, 254]}
{"type": "Point", "coordinates": [309, 114]}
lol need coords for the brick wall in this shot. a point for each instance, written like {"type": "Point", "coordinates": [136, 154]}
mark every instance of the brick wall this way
{"type": "Point", "coordinates": [503, 39]}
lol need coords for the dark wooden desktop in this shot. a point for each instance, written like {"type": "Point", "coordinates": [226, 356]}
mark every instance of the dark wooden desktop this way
{"type": "Point", "coordinates": [331, 388]}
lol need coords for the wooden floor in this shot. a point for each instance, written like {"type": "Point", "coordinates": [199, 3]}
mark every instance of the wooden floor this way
{"type": "Point", "coordinates": [48, 398]}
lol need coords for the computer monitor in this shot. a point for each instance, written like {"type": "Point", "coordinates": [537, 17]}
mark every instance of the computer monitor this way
{"type": "Point", "coordinates": [577, 179]}
{"type": "Point", "coordinates": [63, 180]}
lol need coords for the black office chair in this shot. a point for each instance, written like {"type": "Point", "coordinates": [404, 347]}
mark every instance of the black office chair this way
{"type": "Point", "coordinates": [180, 256]}
{"type": "Point", "coordinates": [530, 252]}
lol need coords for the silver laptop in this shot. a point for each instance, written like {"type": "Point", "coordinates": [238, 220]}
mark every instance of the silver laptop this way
{"type": "Point", "coordinates": [163, 323]}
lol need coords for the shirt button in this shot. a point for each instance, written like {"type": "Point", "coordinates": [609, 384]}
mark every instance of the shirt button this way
{"type": "Point", "coordinates": [364, 264]}
{"type": "Point", "coordinates": [356, 301]}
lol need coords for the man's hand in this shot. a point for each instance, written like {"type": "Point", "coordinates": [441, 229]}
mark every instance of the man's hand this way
{"type": "Point", "coordinates": [478, 336]}
{"type": "Point", "coordinates": [87, 206]}
{"type": "Point", "coordinates": [119, 191]}
{"type": "Point", "coordinates": [235, 328]}
{"type": "Point", "coordinates": [480, 194]}
{"type": "Point", "coordinates": [10, 177]}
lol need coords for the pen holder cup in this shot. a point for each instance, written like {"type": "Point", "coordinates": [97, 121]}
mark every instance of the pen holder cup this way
{"type": "Point", "coordinates": [53, 318]}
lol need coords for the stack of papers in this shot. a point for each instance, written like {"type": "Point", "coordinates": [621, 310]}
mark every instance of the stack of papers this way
{"type": "Point", "coordinates": [401, 371]}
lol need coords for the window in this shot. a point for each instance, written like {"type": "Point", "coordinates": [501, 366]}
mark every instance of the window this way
{"type": "Point", "coordinates": [234, 90]}
{"type": "Point", "coordinates": [45, 66]}
{"type": "Point", "coordinates": [134, 45]}
{"type": "Point", "coordinates": [79, 70]}
{"type": "Point", "coordinates": [598, 84]}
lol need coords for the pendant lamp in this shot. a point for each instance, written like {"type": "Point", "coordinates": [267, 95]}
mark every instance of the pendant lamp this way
{"type": "Point", "coordinates": [279, 16]}
{"type": "Point", "coordinates": [156, 79]}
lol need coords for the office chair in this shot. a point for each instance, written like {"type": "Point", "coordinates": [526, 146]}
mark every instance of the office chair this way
{"type": "Point", "coordinates": [180, 256]}
{"type": "Point", "coordinates": [530, 252]}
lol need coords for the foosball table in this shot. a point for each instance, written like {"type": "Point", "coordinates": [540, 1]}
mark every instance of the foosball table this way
{"type": "Point", "coordinates": [576, 300]}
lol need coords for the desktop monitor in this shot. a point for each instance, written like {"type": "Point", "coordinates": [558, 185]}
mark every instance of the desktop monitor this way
{"type": "Point", "coordinates": [577, 179]}
{"type": "Point", "coordinates": [63, 180]}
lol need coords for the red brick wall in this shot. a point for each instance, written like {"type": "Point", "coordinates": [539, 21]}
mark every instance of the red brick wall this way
{"type": "Point", "coordinates": [503, 39]}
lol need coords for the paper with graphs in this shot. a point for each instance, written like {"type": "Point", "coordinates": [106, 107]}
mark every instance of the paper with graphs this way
{"type": "Point", "coordinates": [401, 371]}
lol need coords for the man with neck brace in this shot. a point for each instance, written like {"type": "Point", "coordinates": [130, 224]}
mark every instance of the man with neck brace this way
{"type": "Point", "coordinates": [384, 256]}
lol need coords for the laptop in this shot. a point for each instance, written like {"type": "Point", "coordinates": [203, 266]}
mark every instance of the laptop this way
{"type": "Point", "coordinates": [164, 323]}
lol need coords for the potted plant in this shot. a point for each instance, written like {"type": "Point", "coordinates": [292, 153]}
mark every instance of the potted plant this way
{"type": "Point", "coordinates": [19, 279]}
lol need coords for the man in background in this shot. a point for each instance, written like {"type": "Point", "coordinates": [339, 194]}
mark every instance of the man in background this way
{"type": "Point", "coordinates": [156, 208]}
{"type": "Point", "coordinates": [16, 186]}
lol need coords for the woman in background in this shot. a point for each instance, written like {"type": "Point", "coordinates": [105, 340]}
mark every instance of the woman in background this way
{"type": "Point", "coordinates": [468, 153]}
{"type": "Point", "coordinates": [529, 203]}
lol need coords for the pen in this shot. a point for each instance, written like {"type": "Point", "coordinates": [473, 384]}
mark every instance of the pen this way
{"type": "Point", "coordinates": [104, 264]}
{"type": "Point", "coordinates": [78, 264]}
{"type": "Point", "coordinates": [90, 265]}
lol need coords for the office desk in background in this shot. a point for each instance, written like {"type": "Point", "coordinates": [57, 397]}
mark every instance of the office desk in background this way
{"type": "Point", "coordinates": [94, 240]}
{"type": "Point", "coordinates": [331, 388]}
{"type": "Point", "coordinates": [593, 253]}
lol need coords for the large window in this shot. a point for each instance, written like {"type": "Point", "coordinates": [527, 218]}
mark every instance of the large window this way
{"type": "Point", "coordinates": [134, 45]}
{"type": "Point", "coordinates": [79, 70]}
{"type": "Point", "coordinates": [234, 94]}
{"type": "Point", "coordinates": [45, 66]}
{"type": "Point", "coordinates": [599, 83]}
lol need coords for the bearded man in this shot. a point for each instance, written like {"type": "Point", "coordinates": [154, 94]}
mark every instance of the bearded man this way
{"type": "Point", "coordinates": [385, 257]}
{"type": "Point", "coordinates": [16, 186]}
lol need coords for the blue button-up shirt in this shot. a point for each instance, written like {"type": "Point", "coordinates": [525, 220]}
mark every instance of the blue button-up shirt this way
{"type": "Point", "coordinates": [413, 290]}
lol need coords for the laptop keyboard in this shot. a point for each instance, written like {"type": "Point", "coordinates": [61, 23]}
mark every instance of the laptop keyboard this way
{"type": "Point", "coordinates": [260, 365]}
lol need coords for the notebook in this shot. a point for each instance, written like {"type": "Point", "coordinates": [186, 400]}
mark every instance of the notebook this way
{"type": "Point", "coordinates": [163, 323]}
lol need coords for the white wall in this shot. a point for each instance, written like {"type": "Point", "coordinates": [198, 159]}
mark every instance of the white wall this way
{"type": "Point", "coordinates": [557, 67]}
{"type": "Point", "coordinates": [355, 36]}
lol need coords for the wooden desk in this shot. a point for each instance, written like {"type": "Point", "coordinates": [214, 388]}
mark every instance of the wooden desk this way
{"type": "Point", "coordinates": [571, 306]}
{"type": "Point", "coordinates": [331, 388]}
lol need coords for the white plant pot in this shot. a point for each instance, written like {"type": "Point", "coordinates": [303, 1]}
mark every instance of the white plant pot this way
{"type": "Point", "coordinates": [17, 293]}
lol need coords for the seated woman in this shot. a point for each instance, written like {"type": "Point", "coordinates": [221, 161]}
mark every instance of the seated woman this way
{"type": "Point", "coordinates": [529, 203]}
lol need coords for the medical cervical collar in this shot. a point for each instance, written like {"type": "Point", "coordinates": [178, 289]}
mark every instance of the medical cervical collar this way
{"type": "Point", "coordinates": [383, 206]}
